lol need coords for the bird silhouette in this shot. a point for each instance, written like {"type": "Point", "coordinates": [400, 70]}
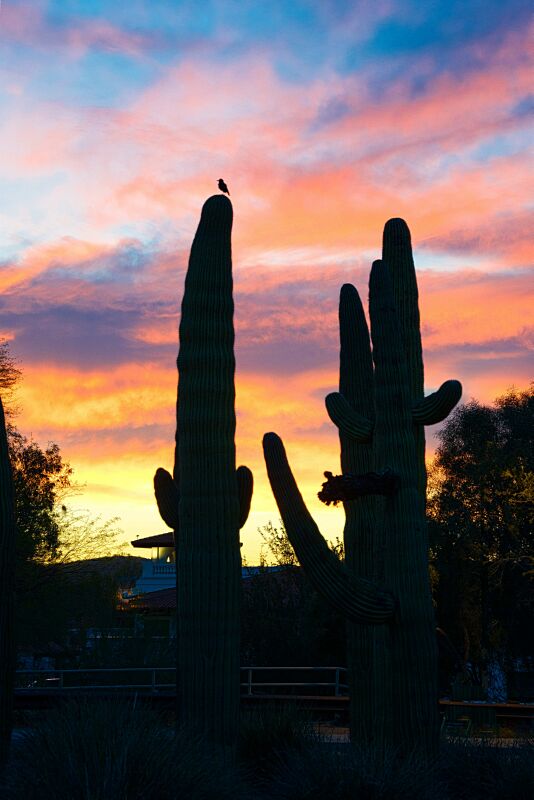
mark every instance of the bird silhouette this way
{"type": "Point", "coordinates": [223, 187]}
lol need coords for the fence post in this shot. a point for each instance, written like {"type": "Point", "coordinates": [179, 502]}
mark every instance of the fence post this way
{"type": "Point", "coordinates": [337, 682]}
{"type": "Point", "coordinates": [61, 679]}
{"type": "Point", "coordinates": [249, 681]}
{"type": "Point", "coordinates": [154, 681]}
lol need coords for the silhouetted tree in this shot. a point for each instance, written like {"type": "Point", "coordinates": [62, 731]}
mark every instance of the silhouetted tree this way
{"type": "Point", "coordinates": [10, 375]}
{"type": "Point", "coordinates": [49, 535]}
{"type": "Point", "coordinates": [285, 621]}
{"type": "Point", "coordinates": [7, 564]}
{"type": "Point", "coordinates": [481, 509]}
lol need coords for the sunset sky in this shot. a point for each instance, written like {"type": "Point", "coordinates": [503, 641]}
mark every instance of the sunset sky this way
{"type": "Point", "coordinates": [325, 118]}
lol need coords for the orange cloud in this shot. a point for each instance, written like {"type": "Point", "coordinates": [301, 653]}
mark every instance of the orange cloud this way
{"type": "Point", "coordinates": [76, 400]}
{"type": "Point", "coordinates": [470, 307]}
{"type": "Point", "coordinates": [310, 196]}
{"type": "Point", "coordinates": [44, 257]}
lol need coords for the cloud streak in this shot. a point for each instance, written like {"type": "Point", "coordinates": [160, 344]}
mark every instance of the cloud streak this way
{"type": "Point", "coordinates": [115, 129]}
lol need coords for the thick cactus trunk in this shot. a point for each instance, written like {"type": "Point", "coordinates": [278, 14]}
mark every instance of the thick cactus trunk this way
{"type": "Point", "coordinates": [380, 411]}
{"type": "Point", "coordinates": [363, 553]}
{"type": "Point", "coordinates": [400, 524]}
{"type": "Point", "coordinates": [7, 573]}
{"type": "Point", "coordinates": [208, 553]}
{"type": "Point", "coordinates": [207, 500]}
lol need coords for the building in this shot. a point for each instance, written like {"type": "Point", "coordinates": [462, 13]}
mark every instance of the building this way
{"type": "Point", "coordinates": [155, 590]}
{"type": "Point", "coordinates": [160, 571]}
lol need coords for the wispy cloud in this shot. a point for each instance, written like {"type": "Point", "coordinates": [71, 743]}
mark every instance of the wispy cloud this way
{"type": "Point", "coordinates": [325, 119]}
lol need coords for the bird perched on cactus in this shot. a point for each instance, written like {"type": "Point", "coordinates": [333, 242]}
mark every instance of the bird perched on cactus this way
{"type": "Point", "coordinates": [223, 187]}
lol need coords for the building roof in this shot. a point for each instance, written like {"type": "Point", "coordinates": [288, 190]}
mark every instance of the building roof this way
{"type": "Point", "coordinates": [160, 600]}
{"type": "Point", "coordinates": [159, 540]}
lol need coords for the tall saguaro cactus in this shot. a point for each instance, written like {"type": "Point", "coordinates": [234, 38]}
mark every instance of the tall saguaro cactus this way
{"type": "Point", "coordinates": [207, 499]}
{"type": "Point", "coordinates": [7, 572]}
{"type": "Point", "coordinates": [383, 588]}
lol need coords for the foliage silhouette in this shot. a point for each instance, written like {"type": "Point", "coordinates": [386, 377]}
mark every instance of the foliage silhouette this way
{"type": "Point", "coordinates": [114, 750]}
{"type": "Point", "coordinates": [7, 595]}
{"type": "Point", "coordinates": [481, 510]}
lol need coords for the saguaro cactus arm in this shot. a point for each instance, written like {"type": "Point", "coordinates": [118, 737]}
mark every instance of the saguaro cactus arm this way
{"type": "Point", "coordinates": [245, 486]}
{"type": "Point", "coordinates": [438, 405]}
{"type": "Point", "coordinates": [167, 497]}
{"type": "Point", "coordinates": [428, 411]}
{"type": "Point", "coordinates": [347, 420]}
{"type": "Point", "coordinates": [358, 599]}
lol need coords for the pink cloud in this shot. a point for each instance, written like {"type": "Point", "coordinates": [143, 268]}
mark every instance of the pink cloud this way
{"type": "Point", "coordinates": [472, 307]}
{"type": "Point", "coordinates": [292, 185]}
{"type": "Point", "coordinates": [28, 25]}
{"type": "Point", "coordinates": [504, 234]}
{"type": "Point", "coordinates": [309, 204]}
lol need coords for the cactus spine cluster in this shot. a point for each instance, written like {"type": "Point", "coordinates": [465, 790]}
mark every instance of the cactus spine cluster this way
{"type": "Point", "coordinates": [383, 588]}
{"type": "Point", "coordinates": [7, 571]}
{"type": "Point", "coordinates": [207, 500]}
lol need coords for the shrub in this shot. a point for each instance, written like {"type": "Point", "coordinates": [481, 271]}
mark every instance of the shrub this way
{"type": "Point", "coordinates": [488, 771]}
{"type": "Point", "coordinates": [113, 750]}
{"type": "Point", "coordinates": [342, 772]}
{"type": "Point", "coordinates": [269, 731]}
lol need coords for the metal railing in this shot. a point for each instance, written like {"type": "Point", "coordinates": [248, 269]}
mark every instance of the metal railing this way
{"type": "Point", "coordinates": [336, 687]}
{"type": "Point", "coordinates": [312, 680]}
{"type": "Point", "coordinates": [71, 680]}
{"type": "Point", "coordinates": [164, 569]}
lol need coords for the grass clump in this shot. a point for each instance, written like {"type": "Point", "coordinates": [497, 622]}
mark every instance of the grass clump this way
{"type": "Point", "coordinates": [119, 750]}
{"type": "Point", "coordinates": [113, 750]}
{"type": "Point", "coordinates": [344, 772]}
{"type": "Point", "coordinates": [268, 731]}
{"type": "Point", "coordinates": [472, 770]}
